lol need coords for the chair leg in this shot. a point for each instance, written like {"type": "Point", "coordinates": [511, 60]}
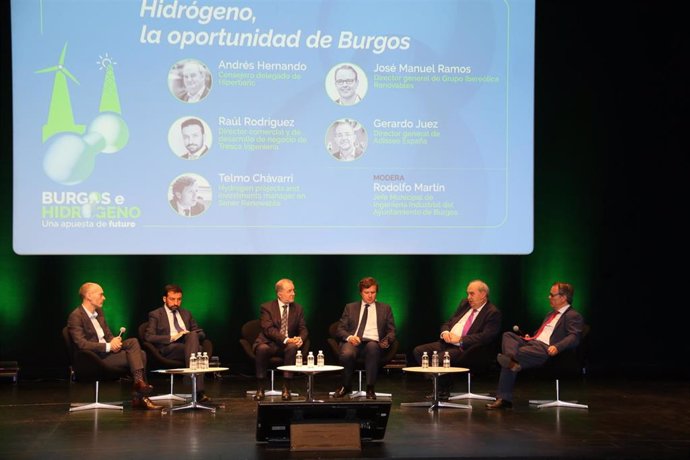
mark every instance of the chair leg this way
{"type": "Point", "coordinates": [543, 404]}
{"type": "Point", "coordinates": [170, 396]}
{"type": "Point", "coordinates": [94, 405]}
{"type": "Point", "coordinates": [469, 394]}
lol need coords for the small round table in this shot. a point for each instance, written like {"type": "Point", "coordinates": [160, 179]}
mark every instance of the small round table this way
{"type": "Point", "coordinates": [435, 373]}
{"type": "Point", "coordinates": [192, 373]}
{"type": "Point", "coordinates": [310, 371]}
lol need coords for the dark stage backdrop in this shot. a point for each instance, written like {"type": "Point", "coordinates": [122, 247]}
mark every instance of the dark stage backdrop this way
{"type": "Point", "coordinates": [594, 120]}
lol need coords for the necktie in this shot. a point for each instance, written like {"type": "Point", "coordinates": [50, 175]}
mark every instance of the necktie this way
{"type": "Point", "coordinates": [469, 322]}
{"type": "Point", "coordinates": [543, 325]}
{"type": "Point", "coordinates": [176, 322]}
{"type": "Point", "coordinates": [284, 321]}
{"type": "Point", "coordinates": [363, 322]}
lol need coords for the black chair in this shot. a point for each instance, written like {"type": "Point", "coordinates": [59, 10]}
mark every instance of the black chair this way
{"type": "Point", "coordinates": [385, 359]}
{"type": "Point", "coordinates": [478, 359]}
{"type": "Point", "coordinates": [155, 360]}
{"type": "Point", "coordinates": [250, 331]}
{"type": "Point", "coordinates": [86, 366]}
{"type": "Point", "coordinates": [568, 364]}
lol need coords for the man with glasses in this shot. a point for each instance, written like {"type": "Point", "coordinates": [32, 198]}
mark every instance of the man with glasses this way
{"type": "Point", "coordinates": [560, 331]}
{"type": "Point", "coordinates": [346, 82]}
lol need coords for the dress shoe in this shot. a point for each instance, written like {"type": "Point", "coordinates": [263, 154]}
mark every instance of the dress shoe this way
{"type": "Point", "coordinates": [500, 404]}
{"type": "Point", "coordinates": [508, 362]}
{"type": "Point", "coordinates": [144, 403]}
{"type": "Point", "coordinates": [201, 397]}
{"type": "Point", "coordinates": [371, 393]}
{"type": "Point", "coordinates": [259, 395]}
{"type": "Point", "coordinates": [341, 392]}
{"type": "Point", "coordinates": [142, 387]}
{"type": "Point", "coordinates": [286, 395]}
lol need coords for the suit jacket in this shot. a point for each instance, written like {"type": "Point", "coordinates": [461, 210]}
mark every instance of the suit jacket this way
{"type": "Point", "coordinates": [83, 332]}
{"type": "Point", "coordinates": [349, 321]}
{"type": "Point", "coordinates": [567, 331]}
{"type": "Point", "coordinates": [484, 329]}
{"type": "Point", "coordinates": [195, 210]}
{"type": "Point", "coordinates": [270, 323]}
{"type": "Point", "coordinates": [158, 329]}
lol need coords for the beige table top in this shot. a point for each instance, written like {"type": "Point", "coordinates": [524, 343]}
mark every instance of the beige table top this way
{"type": "Point", "coordinates": [310, 370]}
{"type": "Point", "coordinates": [186, 370]}
{"type": "Point", "coordinates": [435, 370]}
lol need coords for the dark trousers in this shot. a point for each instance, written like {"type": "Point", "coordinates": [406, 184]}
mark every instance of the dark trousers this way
{"type": "Point", "coordinates": [529, 353]}
{"type": "Point", "coordinates": [130, 356]}
{"type": "Point", "coordinates": [265, 351]}
{"type": "Point", "coordinates": [181, 350]}
{"type": "Point", "coordinates": [440, 346]}
{"type": "Point", "coordinates": [370, 350]}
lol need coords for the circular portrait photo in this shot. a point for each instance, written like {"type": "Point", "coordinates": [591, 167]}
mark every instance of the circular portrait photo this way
{"type": "Point", "coordinates": [346, 84]}
{"type": "Point", "coordinates": [189, 195]}
{"type": "Point", "coordinates": [189, 80]}
{"type": "Point", "coordinates": [346, 140]}
{"type": "Point", "coordinates": [190, 138]}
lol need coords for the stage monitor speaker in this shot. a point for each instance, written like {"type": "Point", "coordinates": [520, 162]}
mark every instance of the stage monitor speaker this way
{"type": "Point", "coordinates": [274, 419]}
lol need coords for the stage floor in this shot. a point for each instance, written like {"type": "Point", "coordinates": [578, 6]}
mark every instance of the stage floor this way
{"type": "Point", "coordinates": [642, 419]}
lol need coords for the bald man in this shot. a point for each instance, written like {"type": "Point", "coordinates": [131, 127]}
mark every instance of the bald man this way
{"type": "Point", "coordinates": [89, 331]}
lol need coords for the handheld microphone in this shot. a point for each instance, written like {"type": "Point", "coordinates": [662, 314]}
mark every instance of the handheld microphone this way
{"type": "Point", "coordinates": [517, 330]}
{"type": "Point", "coordinates": [122, 331]}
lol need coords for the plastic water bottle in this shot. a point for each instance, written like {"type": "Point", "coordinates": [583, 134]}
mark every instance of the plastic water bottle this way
{"type": "Point", "coordinates": [425, 360]}
{"type": "Point", "coordinates": [320, 359]}
{"type": "Point", "coordinates": [446, 359]}
{"type": "Point", "coordinates": [193, 362]}
{"type": "Point", "coordinates": [434, 359]}
{"type": "Point", "coordinates": [310, 359]}
{"type": "Point", "coordinates": [298, 359]}
{"type": "Point", "coordinates": [205, 356]}
{"type": "Point", "coordinates": [199, 361]}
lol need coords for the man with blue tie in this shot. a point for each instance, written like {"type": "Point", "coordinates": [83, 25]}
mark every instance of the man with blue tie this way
{"type": "Point", "coordinates": [560, 331]}
{"type": "Point", "coordinates": [476, 322]}
{"type": "Point", "coordinates": [365, 328]}
{"type": "Point", "coordinates": [175, 332]}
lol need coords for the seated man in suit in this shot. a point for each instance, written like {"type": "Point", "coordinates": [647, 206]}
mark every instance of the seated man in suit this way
{"type": "Point", "coordinates": [283, 332]}
{"type": "Point", "coordinates": [560, 331]}
{"type": "Point", "coordinates": [89, 331]}
{"type": "Point", "coordinates": [476, 322]}
{"type": "Point", "coordinates": [364, 330]}
{"type": "Point", "coordinates": [175, 333]}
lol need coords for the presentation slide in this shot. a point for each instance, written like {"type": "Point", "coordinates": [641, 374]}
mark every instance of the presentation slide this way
{"type": "Point", "coordinates": [273, 127]}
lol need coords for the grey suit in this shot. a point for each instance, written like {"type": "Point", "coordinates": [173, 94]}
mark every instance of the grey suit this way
{"type": "Point", "coordinates": [347, 326]}
{"type": "Point", "coordinates": [533, 353]}
{"type": "Point", "coordinates": [85, 337]}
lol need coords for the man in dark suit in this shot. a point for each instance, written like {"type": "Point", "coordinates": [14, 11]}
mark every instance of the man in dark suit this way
{"type": "Point", "coordinates": [365, 328]}
{"type": "Point", "coordinates": [476, 322]}
{"type": "Point", "coordinates": [89, 331]}
{"type": "Point", "coordinates": [174, 331]}
{"type": "Point", "coordinates": [560, 331]}
{"type": "Point", "coordinates": [283, 331]}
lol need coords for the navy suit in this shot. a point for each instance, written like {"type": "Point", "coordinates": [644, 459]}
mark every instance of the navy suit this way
{"type": "Point", "coordinates": [270, 340]}
{"type": "Point", "coordinates": [347, 326]}
{"type": "Point", "coordinates": [533, 353]}
{"type": "Point", "coordinates": [85, 337]}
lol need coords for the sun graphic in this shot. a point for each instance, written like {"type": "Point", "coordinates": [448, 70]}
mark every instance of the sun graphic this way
{"type": "Point", "coordinates": [105, 61]}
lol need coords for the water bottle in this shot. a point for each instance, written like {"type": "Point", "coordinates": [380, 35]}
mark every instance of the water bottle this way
{"type": "Point", "coordinates": [446, 359]}
{"type": "Point", "coordinates": [310, 359]}
{"type": "Point", "coordinates": [425, 360]}
{"type": "Point", "coordinates": [205, 356]}
{"type": "Point", "coordinates": [320, 359]}
{"type": "Point", "coordinates": [192, 362]}
{"type": "Point", "coordinates": [199, 361]}
{"type": "Point", "coordinates": [434, 359]}
{"type": "Point", "coordinates": [298, 359]}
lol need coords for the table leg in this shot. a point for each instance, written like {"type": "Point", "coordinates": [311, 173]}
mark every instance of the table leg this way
{"type": "Point", "coordinates": [193, 404]}
{"type": "Point", "coordinates": [434, 404]}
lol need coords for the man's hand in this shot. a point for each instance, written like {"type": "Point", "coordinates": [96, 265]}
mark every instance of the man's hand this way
{"type": "Point", "coordinates": [449, 337]}
{"type": "Point", "coordinates": [115, 344]}
{"type": "Point", "coordinates": [552, 350]}
{"type": "Point", "coordinates": [354, 340]}
{"type": "Point", "coordinates": [174, 338]}
{"type": "Point", "coordinates": [384, 344]}
{"type": "Point", "coordinates": [297, 340]}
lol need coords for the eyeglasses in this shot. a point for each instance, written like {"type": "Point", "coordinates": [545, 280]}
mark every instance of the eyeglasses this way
{"type": "Point", "coordinates": [554, 295]}
{"type": "Point", "coordinates": [344, 82]}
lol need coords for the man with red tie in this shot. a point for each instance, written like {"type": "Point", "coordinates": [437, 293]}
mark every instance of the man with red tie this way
{"type": "Point", "coordinates": [476, 322]}
{"type": "Point", "coordinates": [560, 331]}
{"type": "Point", "coordinates": [283, 331]}
{"type": "Point", "coordinates": [365, 328]}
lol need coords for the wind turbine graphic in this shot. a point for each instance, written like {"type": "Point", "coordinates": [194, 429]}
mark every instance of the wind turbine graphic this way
{"type": "Point", "coordinates": [60, 116]}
